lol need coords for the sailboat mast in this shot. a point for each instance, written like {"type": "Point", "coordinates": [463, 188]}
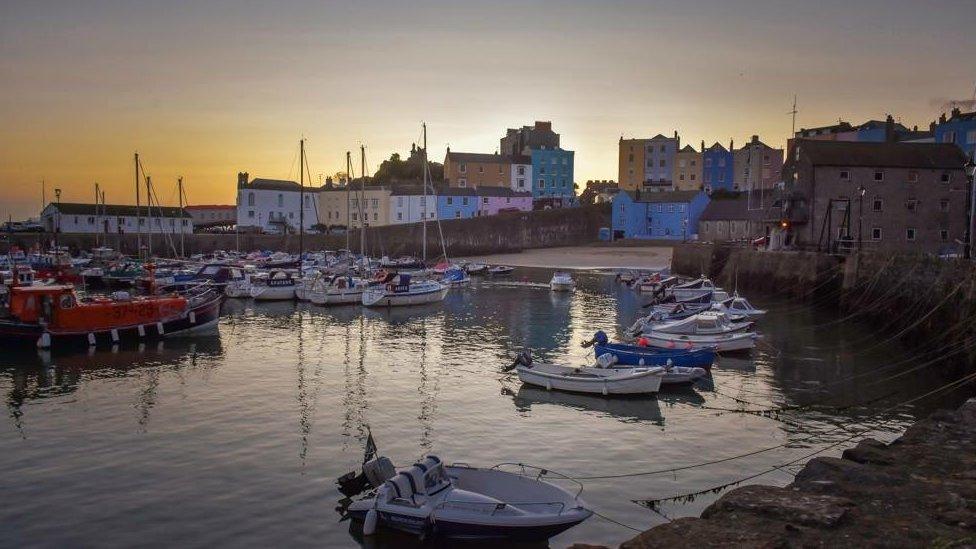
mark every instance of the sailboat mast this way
{"type": "Point", "coordinates": [138, 219]}
{"type": "Point", "coordinates": [179, 183]}
{"type": "Point", "coordinates": [348, 195]}
{"type": "Point", "coordinates": [423, 210]}
{"type": "Point", "coordinates": [98, 218]}
{"type": "Point", "coordinates": [149, 217]}
{"type": "Point", "coordinates": [301, 202]}
{"type": "Point", "coordinates": [362, 200]}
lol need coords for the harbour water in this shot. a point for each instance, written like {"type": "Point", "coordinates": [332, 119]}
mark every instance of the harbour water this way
{"type": "Point", "coordinates": [236, 439]}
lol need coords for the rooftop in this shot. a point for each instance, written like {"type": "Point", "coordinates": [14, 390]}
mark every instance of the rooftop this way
{"type": "Point", "coordinates": [892, 155]}
{"type": "Point", "coordinates": [663, 196]}
{"type": "Point", "coordinates": [117, 210]}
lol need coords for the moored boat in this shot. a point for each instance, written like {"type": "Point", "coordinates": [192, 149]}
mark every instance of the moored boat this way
{"type": "Point", "coordinates": [723, 343]}
{"type": "Point", "coordinates": [277, 286]}
{"type": "Point", "coordinates": [399, 289]}
{"type": "Point", "coordinates": [641, 380]}
{"type": "Point", "coordinates": [338, 290]}
{"type": "Point", "coordinates": [500, 270]}
{"type": "Point", "coordinates": [562, 282]}
{"type": "Point", "coordinates": [637, 355]}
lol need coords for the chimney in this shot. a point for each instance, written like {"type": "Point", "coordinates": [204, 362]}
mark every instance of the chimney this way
{"type": "Point", "coordinates": [241, 179]}
{"type": "Point", "coordinates": [889, 129]}
{"type": "Point", "coordinates": [932, 126]}
{"type": "Point", "coordinates": [942, 118]}
{"type": "Point", "coordinates": [731, 145]}
{"type": "Point", "coordinates": [956, 112]}
{"type": "Point", "coordinates": [755, 139]}
{"type": "Point", "coordinates": [703, 145]}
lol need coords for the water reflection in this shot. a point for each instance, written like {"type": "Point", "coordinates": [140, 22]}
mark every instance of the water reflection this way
{"type": "Point", "coordinates": [640, 409]}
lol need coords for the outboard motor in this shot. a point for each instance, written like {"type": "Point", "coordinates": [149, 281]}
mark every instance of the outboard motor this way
{"type": "Point", "coordinates": [523, 358]}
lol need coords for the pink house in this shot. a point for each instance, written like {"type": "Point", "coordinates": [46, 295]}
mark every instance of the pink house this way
{"type": "Point", "coordinates": [492, 200]}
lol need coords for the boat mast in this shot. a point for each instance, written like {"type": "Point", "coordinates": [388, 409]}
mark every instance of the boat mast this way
{"type": "Point", "coordinates": [348, 197]}
{"type": "Point", "coordinates": [423, 210]}
{"type": "Point", "coordinates": [98, 218]}
{"type": "Point", "coordinates": [179, 183]}
{"type": "Point", "coordinates": [148, 218]}
{"type": "Point", "coordinates": [301, 201]}
{"type": "Point", "coordinates": [138, 219]}
{"type": "Point", "coordinates": [362, 200]}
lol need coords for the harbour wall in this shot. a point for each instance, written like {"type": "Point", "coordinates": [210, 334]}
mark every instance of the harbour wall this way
{"type": "Point", "coordinates": [503, 233]}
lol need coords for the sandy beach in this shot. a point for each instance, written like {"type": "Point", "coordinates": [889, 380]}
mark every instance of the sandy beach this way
{"type": "Point", "coordinates": [584, 257]}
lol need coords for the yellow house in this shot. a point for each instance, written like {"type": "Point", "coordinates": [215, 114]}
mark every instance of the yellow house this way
{"type": "Point", "coordinates": [631, 165]}
{"type": "Point", "coordinates": [350, 207]}
{"type": "Point", "coordinates": [477, 170]}
{"type": "Point", "coordinates": [687, 169]}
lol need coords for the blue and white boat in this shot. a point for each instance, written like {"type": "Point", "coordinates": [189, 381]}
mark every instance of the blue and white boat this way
{"type": "Point", "coordinates": [636, 355]}
{"type": "Point", "coordinates": [431, 499]}
{"type": "Point", "coordinates": [400, 289]}
{"type": "Point", "coordinates": [455, 276]}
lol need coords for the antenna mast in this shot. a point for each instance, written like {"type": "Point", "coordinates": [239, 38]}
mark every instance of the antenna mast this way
{"type": "Point", "coordinates": [793, 112]}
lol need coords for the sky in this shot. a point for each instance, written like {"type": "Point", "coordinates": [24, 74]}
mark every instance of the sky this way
{"type": "Point", "coordinates": [206, 89]}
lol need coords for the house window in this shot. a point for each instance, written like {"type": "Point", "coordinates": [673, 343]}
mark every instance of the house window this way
{"type": "Point", "coordinates": [464, 201]}
{"type": "Point", "coordinates": [464, 168]}
{"type": "Point", "coordinates": [355, 217]}
{"type": "Point", "coordinates": [912, 205]}
{"type": "Point", "coordinates": [281, 200]}
{"type": "Point", "coordinates": [542, 170]}
{"type": "Point", "coordinates": [949, 137]}
{"type": "Point", "coordinates": [484, 200]}
{"type": "Point", "coordinates": [450, 201]}
{"type": "Point", "coordinates": [565, 161]}
{"type": "Point", "coordinates": [670, 208]}
{"type": "Point", "coordinates": [521, 183]}
{"type": "Point", "coordinates": [944, 205]}
{"type": "Point", "coordinates": [721, 177]}
{"type": "Point", "coordinates": [250, 199]}
{"type": "Point", "coordinates": [910, 234]}
{"type": "Point", "coordinates": [708, 162]}
{"type": "Point", "coordinates": [662, 163]}
{"type": "Point", "coordinates": [766, 159]}
{"type": "Point", "coordinates": [291, 215]}
{"type": "Point", "coordinates": [879, 175]}
{"type": "Point", "coordinates": [878, 205]}
{"type": "Point", "coordinates": [662, 148]}
{"type": "Point", "coordinates": [499, 168]}
{"type": "Point", "coordinates": [971, 137]}
{"type": "Point", "coordinates": [481, 169]}
{"type": "Point", "coordinates": [399, 216]}
{"type": "Point", "coordinates": [694, 162]}
{"type": "Point", "coordinates": [250, 214]}
{"type": "Point", "coordinates": [376, 216]}
{"type": "Point", "coordinates": [682, 163]}
{"type": "Point", "coordinates": [376, 202]}
{"type": "Point", "coordinates": [457, 214]}
{"type": "Point", "coordinates": [944, 235]}
{"type": "Point", "coordinates": [542, 183]}
{"type": "Point", "coordinates": [91, 220]}
{"type": "Point", "coordinates": [521, 170]}
{"type": "Point", "coordinates": [845, 175]}
{"type": "Point", "coordinates": [462, 183]}
{"type": "Point", "coordinates": [681, 177]}
{"type": "Point", "coordinates": [876, 233]}
{"type": "Point", "coordinates": [945, 177]}
{"type": "Point", "coordinates": [692, 177]}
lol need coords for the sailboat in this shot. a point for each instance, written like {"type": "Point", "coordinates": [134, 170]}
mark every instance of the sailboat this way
{"type": "Point", "coordinates": [397, 289]}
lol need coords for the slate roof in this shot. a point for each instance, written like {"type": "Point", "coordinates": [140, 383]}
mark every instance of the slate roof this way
{"type": "Point", "coordinates": [882, 155]}
{"type": "Point", "coordinates": [663, 196]}
{"type": "Point", "coordinates": [263, 184]}
{"type": "Point", "coordinates": [688, 149]}
{"type": "Point", "coordinates": [482, 157]}
{"type": "Point", "coordinates": [737, 208]}
{"type": "Point", "coordinates": [117, 210]}
{"type": "Point", "coordinates": [504, 192]}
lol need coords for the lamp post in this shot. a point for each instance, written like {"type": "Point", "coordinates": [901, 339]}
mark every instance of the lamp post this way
{"type": "Point", "coordinates": [970, 202]}
{"type": "Point", "coordinates": [860, 217]}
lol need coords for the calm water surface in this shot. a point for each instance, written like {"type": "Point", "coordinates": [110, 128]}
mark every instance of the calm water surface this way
{"type": "Point", "coordinates": [236, 439]}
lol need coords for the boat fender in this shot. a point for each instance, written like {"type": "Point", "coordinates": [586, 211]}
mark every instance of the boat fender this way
{"type": "Point", "coordinates": [142, 331]}
{"type": "Point", "coordinates": [91, 339]}
{"type": "Point", "coordinates": [44, 342]}
{"type": "Point", "coordinates": [641, 362]}
{"type": "Point", "coordinates": [604, 389]}
{"type": "Point", "coordinates": [548, 385]}
{"type": "Point", "coordinates": [115, 335]}
{"type": "Point", "coordinates": [159, 328]}
{"type": "Point", "coordinates": [193, 317]}
{"type": "Point", "coordinates": [369, 525]}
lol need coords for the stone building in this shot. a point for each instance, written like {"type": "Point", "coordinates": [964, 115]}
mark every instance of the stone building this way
{"type": "Point", "coordinates": [900, 197]}
{"type": "Point", "coordinates": [757, 166]}
{"type": "Point", "coordinates": [735, 218]}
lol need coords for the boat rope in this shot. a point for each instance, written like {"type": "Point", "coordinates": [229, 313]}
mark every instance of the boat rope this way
{"type": "Point", "coordinates": [687, 497]}
{"type": "Point", "coordinates": [964, 379]}
{"type": "Point", "coordinates": [617, 522]}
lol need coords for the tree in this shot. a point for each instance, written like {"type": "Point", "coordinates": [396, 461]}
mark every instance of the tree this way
{"type": "Point", "coordinates": [396, 169]}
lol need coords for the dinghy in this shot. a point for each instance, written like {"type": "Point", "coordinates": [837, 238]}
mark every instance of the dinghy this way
{"type": "Point", "coordinates": [638, 355]}
{"type": "Point", "coordinates": [724, 343]}
{"type": "Point", "coordinates": [703, 323]}
{"type": "Point", "coordinates": [691, 290]}
{"type": "Point", "coordinates": [562, 282]}
{"type": "Point", "coordinates": [500, 270]}
{"type": "Point", "coordinates": [455, 277]}
{"type": "Point", "coordinates": [431, 499]}
{"type": "Point", "coordinates": [593, 380]}
{"type": "Point", "coordinates": [476, 268]}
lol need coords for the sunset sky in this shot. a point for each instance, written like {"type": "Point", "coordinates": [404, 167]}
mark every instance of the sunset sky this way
{"type": "Point", "coordinates": [205, 89]}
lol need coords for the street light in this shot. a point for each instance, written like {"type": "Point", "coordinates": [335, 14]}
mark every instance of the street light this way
{"type": "Point", "coordinates": [970, 202]}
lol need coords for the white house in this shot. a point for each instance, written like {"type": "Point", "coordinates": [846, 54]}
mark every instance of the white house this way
{"type": "Point", "coordinates": [407, 205]}
{"type": "Point", "coordinates": [69, 217]}
{"type": "Point", "coordinates": [522, 174]}
{"type": "Point", "coordinates": [273, 205]}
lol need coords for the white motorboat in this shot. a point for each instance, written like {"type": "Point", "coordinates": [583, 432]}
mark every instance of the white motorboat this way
{"type": "Point", "coordinates": [654, 284]}
{"type": "Point", "coordinates": [692, 290]}
{"type": "Point", "coordinates": [240, 287]}
{"type": "Point", "coordinates": [737, 305]}
{"type": "Point", "coordinates": [562, 282]}
{"type": "Point", "coordinates": [476, 268]}
{"type": "Point", "coordinates": [399, 289]}
{"type": "Point", "coordinates": [723, 343]}
{"type": "Point", "coordinates": [500, 270]}
{"type": "Point", "coordinates": [602, 379]}
{"type": "Point", "coordinates": [277, 286]}
{"type": "Point", "coordinates": [704, 323]}
{"type": "Point", "coordinates": [431, 499]}
{"type": "Point", "coordinates": [338, 290]}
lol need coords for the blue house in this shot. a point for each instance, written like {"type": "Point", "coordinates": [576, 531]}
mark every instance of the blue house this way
{"type": "Point", "coordinates": [959, 128]}
{"type": "Point", "coordinates": [671, 215]}
{"type": "Point", "coordinates": [552, 174]}
{"type": "Point", "coordinates": [457, 203]}
{"type": "Point", "coordinates": [718, 168]}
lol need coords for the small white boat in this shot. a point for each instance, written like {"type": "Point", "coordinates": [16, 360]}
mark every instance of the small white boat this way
{"type": "Point", "coordinates": [704, 323]}
{"type": "Point", "coordinates": [741, 306]}
{"type": "Point", "coordinates": [632, 380]}
{"type": "Point", "coordinates": [724, 343]}
{"type": "Point", "coordinates": [500, 270]}
{"type": "Point", "coordinates": [399, 289]}
{"type": "Point", "coordinates": [692, 290]}
{"type": "Point", "coordinates": [431, 499]}
{"type": "Point", "coordinates": [562, 282]}
{"type": "Point", "coordinates": [277, 286]}
{"type": "Point", "coordinates": [476, 268]}
{"type": "Point", "coordinates": [338, 290]}
{"type": "Point", "coordinates": [678, 375]}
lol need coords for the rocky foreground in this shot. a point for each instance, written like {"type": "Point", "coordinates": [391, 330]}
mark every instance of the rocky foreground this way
{"type": "Point", "coordinates": [920, 490]}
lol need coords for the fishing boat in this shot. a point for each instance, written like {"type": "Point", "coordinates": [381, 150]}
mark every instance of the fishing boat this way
{"type": "Point", "coordinates": [399, 289]}
{"type": "Point", "coordinates": [476, 268]}
{"type": "Point", "coordinates": [277, 286]}
{"type": "Point", "coordinates": [500, 270]}
{"type": "Point", "coordinates": [704, 323]}
{"type": "Point", "coordinates": [54, 315]}
{"type": "Point", "coordinates": [562, 282]}
{"type": "Point", "coordinates": [723, 343]}
{"type": "Point", "coordinates": [434, 500]}
{"type": "Point", "coordinates": [338, 290]}
{"type": "Point", "coordinates": [122, 275]}
{"type": "Point", "coordinates": [643, 355]}
{"type": "Point", "coordinates": [602, 379]}
{"type": "Point", "coordinates": [455, 277]}
{"type": "Point", "coordinates": [693, 289]}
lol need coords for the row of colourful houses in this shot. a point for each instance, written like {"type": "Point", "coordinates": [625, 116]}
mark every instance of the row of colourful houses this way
{"type": "Point", "coordinates": [273, 206]}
